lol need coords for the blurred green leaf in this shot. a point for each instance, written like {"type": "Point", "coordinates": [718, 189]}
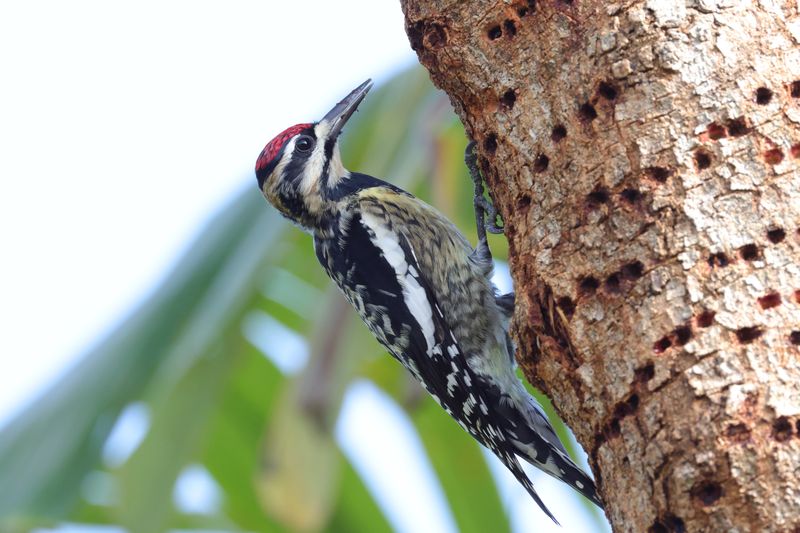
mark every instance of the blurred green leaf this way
{"type": "Point", "coordinates": [356, 510]}
{"type": "Point", "coordinates": [148, 478]}
{"type": "Point", "coordinates": [231, 448]}
{"type": "Point", "coordinates": [46, 450]}
{"type": "Point", "coordinates": [299, 471]}
{"type": "Point", "coordinates": [462, 471]}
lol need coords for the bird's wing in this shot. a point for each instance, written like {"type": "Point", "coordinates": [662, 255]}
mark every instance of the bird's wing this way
{"type": "Point", "coordinates": [389, 289]}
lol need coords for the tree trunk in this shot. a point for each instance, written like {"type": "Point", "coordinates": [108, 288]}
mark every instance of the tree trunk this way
{"type": "Point", "coordinates": [644, 156]}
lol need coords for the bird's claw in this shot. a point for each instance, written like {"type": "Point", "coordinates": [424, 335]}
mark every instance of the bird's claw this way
{"type": "Point", "coordinates": [490, 213]}
{"type": "Point", "coordinates": [485, 213]}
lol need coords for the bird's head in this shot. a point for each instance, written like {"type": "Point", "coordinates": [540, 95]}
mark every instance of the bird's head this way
{"type": "Point", "coordinates": [300, 169]}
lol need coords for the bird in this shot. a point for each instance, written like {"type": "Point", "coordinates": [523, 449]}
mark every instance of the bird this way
{"type": "Point", "coordinates": [420, 287]}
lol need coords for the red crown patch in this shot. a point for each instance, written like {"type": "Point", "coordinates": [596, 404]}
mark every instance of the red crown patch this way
{"type": "Point", "coordinates": [274, 146]}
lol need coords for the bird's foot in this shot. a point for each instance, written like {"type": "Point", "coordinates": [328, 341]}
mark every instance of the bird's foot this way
{"type": "Point", "coordinates": [483, 207]}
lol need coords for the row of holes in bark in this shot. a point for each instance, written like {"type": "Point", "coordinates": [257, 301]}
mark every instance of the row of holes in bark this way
{"type": "Point", "coordinates": [749, 252]}
{"type": "Point", "coordinates": [683, 334]}
{"type": "Point", "coordinates": [627, 407]}
{"type": "Point", "coordinates": [586, 113]}
{"type": "Point", "coordinates": [737, 128]}
{"type": "Point", "coordinates": [782, 430]}
{"type": "Point", "coordinates": [773, 156]}
{"type": "Point", "coordinates": [509, 28]}
{"type": "Point", "coordinates": [630, 195]}
{"type": "Point", "coordinates": [613, 285]}
{"type": "Point", "coordinates": [763, 95]}
{"type": "Point", "coordinates": [601, 195]}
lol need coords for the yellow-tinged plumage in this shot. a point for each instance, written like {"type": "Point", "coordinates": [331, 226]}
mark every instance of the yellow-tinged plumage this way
{"type": "Point", "coordinates": [466, 294]}
{"type": "Point", "coordinates": [420, 288]}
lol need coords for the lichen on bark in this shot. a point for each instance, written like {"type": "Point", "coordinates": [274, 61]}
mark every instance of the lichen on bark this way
{"type": "Point", "coordinates": [644, 156]}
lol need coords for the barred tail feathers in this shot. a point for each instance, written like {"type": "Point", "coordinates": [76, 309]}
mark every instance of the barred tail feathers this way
{"type": "Point", "coordinates": [511, 462]}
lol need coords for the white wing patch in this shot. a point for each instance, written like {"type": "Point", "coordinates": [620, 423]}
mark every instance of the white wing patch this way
{"type": "Point", "coordinates": [452, 382]}
{"type": "Point", "coordinates": [469, 405]}
{"type": "Point", "coordinates": [414, 296]}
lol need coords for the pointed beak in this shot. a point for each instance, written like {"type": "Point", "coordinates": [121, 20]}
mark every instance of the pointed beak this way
{"type": "Point", "coordinates": [341, 112]}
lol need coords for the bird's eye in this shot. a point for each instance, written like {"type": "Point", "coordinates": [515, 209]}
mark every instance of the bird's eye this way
{"type": "Point", "coordinates": [304, 144]}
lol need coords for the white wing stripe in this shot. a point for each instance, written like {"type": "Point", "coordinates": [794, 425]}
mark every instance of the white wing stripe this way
{"type": "Point", "coordinates": [414, 295]}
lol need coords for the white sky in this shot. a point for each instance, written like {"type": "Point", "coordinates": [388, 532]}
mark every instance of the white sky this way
{"type": "Point", "coordinates": [124, 125]}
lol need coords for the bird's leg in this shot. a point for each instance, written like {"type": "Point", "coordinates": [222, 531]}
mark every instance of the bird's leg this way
{"type": "Point", "coordinates": [482, 251]}
{"type": "Point", "coordinates": [483, 206]}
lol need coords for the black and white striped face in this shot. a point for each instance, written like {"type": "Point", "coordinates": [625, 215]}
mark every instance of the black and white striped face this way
{"type": "Point", "coordinates": [296, 168]}
{"type": "Point", "coordinates": [300, 168]}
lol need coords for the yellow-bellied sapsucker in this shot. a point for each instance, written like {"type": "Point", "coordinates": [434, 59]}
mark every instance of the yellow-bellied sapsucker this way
{"type": "Point", "coordinates": [420, 287]}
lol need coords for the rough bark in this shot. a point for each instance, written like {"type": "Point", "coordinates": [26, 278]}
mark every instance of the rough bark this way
{"type": "Point", "coordinates": [644, 156]}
